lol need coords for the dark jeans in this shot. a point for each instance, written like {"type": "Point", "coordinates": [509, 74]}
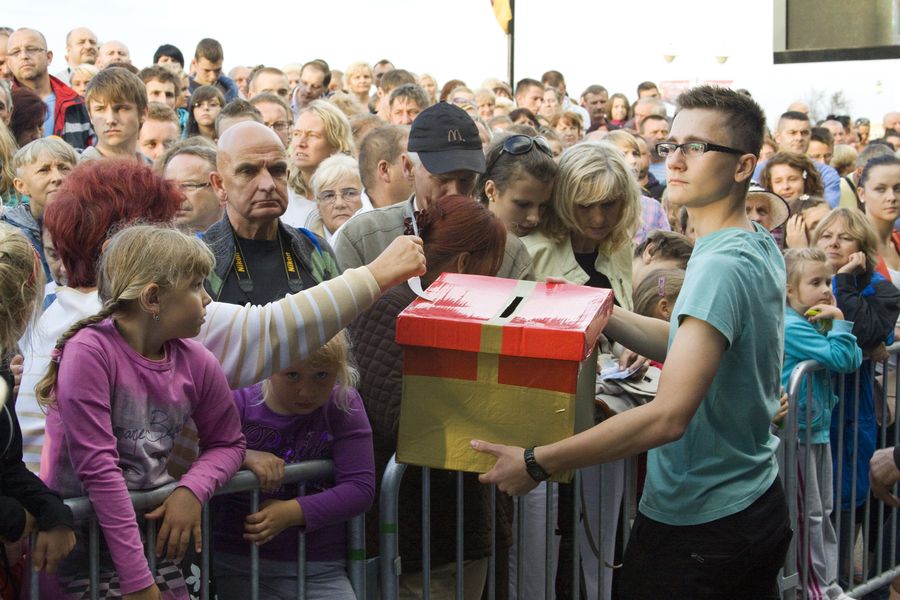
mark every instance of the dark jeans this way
{"type": "Point", "coordinates": [734, 557]}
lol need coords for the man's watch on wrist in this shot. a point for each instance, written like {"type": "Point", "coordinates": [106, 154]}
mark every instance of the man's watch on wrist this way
{"type": "Point", "coordinates": [533, 468]}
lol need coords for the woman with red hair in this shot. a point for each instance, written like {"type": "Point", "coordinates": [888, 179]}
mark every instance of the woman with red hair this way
{"type": "Point", "coordinates": [461, 236]}
{"type": "Point", "coordinates": [99, 197]}
{"type": "Point", "coordinates": [94, 200]}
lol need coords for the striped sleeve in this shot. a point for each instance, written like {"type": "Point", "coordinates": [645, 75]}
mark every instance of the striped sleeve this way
{"type": "Point", "coordinates": [252, 342]}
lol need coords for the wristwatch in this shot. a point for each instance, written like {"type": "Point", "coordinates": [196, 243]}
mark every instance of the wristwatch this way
{"type": "Point", "coordinates": [534, 469]}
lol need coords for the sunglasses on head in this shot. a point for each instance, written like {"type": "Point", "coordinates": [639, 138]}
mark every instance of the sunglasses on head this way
{"type": "Point", "coordinates": [521, 144]}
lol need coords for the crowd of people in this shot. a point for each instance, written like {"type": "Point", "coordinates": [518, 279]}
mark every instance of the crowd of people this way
{"type": "Point", "coordinates": [199, 273]}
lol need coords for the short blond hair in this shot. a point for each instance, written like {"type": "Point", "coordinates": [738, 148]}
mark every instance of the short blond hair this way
{"type": "Point", "coordinates": [858, 228]}
{"type": "Point", "coordinates": [795, 260]}
{"type": "Point", "coordinates": [589, 173]}
{"type": "Point", "coordinates": [358, 67]}
{"type": "Point", "coordinates": [334, 168]}
{"type": "Point", "coordinates": [335, 354]}
{"type": "Point", "coordinates": [32, 151]}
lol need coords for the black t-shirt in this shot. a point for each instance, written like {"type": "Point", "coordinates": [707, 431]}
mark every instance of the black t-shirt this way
{"type": "Point", "coordinates": [265, 265]}
{"type": "Point", "coordinates": [595, 278]}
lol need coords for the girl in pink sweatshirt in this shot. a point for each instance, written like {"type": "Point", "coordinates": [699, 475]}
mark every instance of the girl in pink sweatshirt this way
{"type": "Point", "coordinates": [121, 386]}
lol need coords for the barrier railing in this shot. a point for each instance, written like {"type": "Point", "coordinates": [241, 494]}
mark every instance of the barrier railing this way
{"type": "Point", "coordinates": [244, 481]}
{"type": "Point", "coordinates": [596, 582]}
{"type": "Point", "coordinates": [878, 534]}
{"type": "Point", "coordinates": [797, 463]}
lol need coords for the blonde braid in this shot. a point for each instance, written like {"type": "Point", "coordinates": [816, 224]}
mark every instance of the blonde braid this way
{"type": "Point", "coordinates": [45, 388]}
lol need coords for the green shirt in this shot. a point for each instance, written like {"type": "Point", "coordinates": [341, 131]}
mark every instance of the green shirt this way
{"type": "Point", "coordinates": [725, 460]}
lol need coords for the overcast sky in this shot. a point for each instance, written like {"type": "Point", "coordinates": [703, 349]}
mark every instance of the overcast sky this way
{"type": "Point", "coordinates": [588, 40]}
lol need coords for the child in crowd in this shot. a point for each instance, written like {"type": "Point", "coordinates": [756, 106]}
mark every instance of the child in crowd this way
{"type": "Point", "coordinates": [806, 214]}
{"type": "Point", "coordinates": [26, 504]}
{"type": "Point", "coordinates": [791, 175]}
{"type": "Point", "coordinates": [308, 411]}
{"type": "Point", "coordinates": [119, 389]}
{"type": "Point", "coordinates": [815, 329]}
{"type": "Point", "coordinates": [206, 104]}
{"type": "Point", "coordinates": [661, 250]}
{"type": "Point", "coordinates": [657, 291]}
{"type": "Point", "coordinates": [40, 168]}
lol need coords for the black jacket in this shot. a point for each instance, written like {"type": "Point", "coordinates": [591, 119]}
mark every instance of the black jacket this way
{"type": "Point", "coordinates": [20, 489]}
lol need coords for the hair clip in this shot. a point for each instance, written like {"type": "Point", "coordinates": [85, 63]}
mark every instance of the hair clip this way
{"type": "Point", "coordinates": [55, 355]}
{"type": "Point", "coordinates": [661, 286]}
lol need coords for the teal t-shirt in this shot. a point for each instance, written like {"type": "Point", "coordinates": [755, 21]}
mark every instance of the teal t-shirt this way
{"type": "Point", "coordinates": [735, 281]}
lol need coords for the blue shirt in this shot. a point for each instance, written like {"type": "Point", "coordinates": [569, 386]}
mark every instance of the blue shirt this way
{"type": "Point", "coordinates": [837, 351]}
{"type": "Point", "coordinates": [725, 460]}
{"type": "Point", "coordinates": [50, 101]}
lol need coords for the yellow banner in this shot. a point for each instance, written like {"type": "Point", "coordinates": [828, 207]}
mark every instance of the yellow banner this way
{"type": "Point", "coordinates": [503, 14]}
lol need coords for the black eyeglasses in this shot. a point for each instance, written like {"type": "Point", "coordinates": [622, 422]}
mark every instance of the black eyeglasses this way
{"type": "Point", "coordinates": [521, 144]}
{"type": "Point", "coordinates": [664, 149]}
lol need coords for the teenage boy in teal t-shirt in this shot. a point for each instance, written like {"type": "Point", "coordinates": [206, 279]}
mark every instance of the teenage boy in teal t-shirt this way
{"type": "Point", "coordinates": [713, 519]}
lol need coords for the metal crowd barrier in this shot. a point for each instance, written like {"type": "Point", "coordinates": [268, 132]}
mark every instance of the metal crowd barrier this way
{"type": "Point", "coordinates": [390, 567]}
{"type": "Point", "coordinates": [294, 474]}
{"type": "Point", "coordinates": [877, 573]}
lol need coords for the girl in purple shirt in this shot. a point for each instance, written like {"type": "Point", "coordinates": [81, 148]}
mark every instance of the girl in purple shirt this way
{"type": "Point", "coordinates": [120, 388]}
{"type": "Point", "coordinates": [308, 411]}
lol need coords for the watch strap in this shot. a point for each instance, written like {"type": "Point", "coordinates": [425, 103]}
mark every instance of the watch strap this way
{"type": "Point", "coordinates": [535, 470]}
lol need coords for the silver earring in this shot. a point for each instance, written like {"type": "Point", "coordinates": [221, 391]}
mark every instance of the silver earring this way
{"type": "Point", "coordinates": [156, 317]}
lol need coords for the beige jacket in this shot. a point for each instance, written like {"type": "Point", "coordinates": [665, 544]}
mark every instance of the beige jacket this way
{"type": "Point", "coordinates": [550, 258]}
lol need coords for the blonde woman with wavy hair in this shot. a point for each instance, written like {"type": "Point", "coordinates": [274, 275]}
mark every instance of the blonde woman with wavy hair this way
{"type": "Point", "coordinates": [587, 233]}
{"type": "Point", "coordinates": [320, 130]}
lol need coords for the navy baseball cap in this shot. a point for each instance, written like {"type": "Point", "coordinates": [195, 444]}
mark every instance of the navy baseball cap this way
{"type": "Point", "coordinates": [446, 139]}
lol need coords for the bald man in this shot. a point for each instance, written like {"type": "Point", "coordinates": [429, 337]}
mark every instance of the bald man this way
{"type": "Point", "coordinates": [891, 121]}
{"type": "Point", "coordinates": [258, 258]}
{"type": "Point", "coordinates": [112, 52]}
{"type": "Point", "coordinates": [81, 48]}
{"type": "Point", "coordinates": [67, 116]}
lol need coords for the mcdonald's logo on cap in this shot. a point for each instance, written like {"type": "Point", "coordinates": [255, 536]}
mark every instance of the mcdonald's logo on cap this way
{"type": "Point", "coordinates": [453, 135]}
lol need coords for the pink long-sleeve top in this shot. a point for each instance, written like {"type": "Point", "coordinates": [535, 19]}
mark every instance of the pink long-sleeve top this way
{"type": "Point", "coordinates": [113, 427]}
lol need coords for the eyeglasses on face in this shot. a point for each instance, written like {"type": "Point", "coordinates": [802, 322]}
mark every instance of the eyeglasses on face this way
{"type": "Point", "coordinates": [189, 187]}
{"type": "Point", "coordinates": [279, 125]}
{"type": "Point", "coordinates": [664, 149]}
{"type": "Point", "coordinates": [27, 51]}
{"type": "Point", "coordinates": [330, 196]}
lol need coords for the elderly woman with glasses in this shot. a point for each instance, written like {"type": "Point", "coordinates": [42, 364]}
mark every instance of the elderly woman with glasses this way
{"type": "Point", "coordinates": [337, 188]}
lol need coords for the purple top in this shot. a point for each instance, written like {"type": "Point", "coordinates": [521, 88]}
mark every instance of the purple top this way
{"type": "Point", "coordinates": [329, 433]}
{"type": "Point", "coordinates": [114, 424]}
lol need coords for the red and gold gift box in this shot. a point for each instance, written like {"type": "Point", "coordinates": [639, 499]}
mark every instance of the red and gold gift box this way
{"type": "Point", "coordinates": [500, 360]}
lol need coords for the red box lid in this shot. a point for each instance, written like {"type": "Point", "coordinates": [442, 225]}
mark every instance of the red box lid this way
{"type": "Point", "coordinates": [550, 320]}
